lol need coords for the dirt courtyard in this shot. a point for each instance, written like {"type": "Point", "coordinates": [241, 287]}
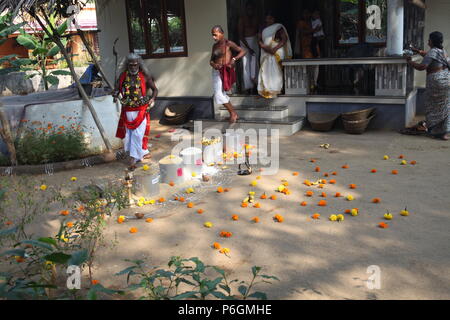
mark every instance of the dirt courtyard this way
{"type": "Point", "coordinates": [314, 259]}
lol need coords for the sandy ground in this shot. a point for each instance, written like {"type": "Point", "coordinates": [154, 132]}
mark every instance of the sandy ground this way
{"type": "Point", "coordinates": [314, 259]}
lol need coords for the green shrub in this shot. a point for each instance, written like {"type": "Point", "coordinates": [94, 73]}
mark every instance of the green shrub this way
{"type": "Point", "coordinates": [51, 144]}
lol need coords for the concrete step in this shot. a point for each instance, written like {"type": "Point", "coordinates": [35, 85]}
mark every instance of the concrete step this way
{"type": "Point", "coordinates": [287, 126]}
{"type": "Point", "coordinates": [257, 112]}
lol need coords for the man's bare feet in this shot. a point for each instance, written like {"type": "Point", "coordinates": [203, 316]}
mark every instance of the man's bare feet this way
{"type": "Point", "coordinates": [147, 156]}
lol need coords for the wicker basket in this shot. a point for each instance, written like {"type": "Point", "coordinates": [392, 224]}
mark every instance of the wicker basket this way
{"type": "Point", "coordinates": [322, 121]}
{"type": "Point", "coordinates": [358, 126]}
{"type": "Point", "coordinates": [176, 114]}
{"type": "Point", "coordinates": [357, 115]}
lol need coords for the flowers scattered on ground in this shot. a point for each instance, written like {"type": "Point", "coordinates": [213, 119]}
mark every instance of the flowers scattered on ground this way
{"type": "Point", "coordinates": [149, 220]}
{"type": "Point", "coordinates": [73, 179]}
{"type": "Point", "coordinates": [208, 224]}
{"type": "Point", "coordinates": [145, 167]}
{"type": "Point", "coordinates": [315, 216]}
{"type": "Point", "coordinates": [94, 282]}
{"type": "Point", "coordinates": [404, 212]}
{"type": "Point", "coordinates": [64, 212]}
{"type": "Point", "coordinates": [235, 217]}
{"type": "Point", "coordinates": [200, 211]}
{"type": "Point", "coordinates": [43, 187]}
{"type": "Point", "coordinates": [121, 219]}
{"type": "Point", "coordinates": [322, 203]}
{"type": "Point", "coordinates": [133, 230]}
{"type": "Point", "coordinates": [216, 245]}
{"type": "Point", "coordinates": [278, 218]}
{"type": "Point", "coordinates": [350, 197]}
{"type": "Point", "coordinates": [337, 195]}
{"type": "Point", "coordinates": [394, 171]}
{"type": "Point", "coordinates": [224, 250]}
{"type": "Point", "coordinates": [304, 204]}
{"type": "Point", "coordinates": [376, 200]}
{"type": "Point", "coordinates": [383, 225]}
{"type": "Point", "coordinates": [226, 234]}
{"type": "Point", "coordinates": [69, 224]}
{"type": "Point", "coordinates": [352, 186]}
{"type": "Point", "coordinates": [255, 219]}
{"type": "Point", "coordinates": [190, 205]}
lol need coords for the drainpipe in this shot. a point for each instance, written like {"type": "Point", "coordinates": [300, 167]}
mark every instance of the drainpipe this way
{"type": "Point", "coordinates": [395, 28]}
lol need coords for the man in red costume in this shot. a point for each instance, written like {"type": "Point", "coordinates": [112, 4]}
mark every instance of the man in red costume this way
{"type": "Point", "coordinates": [134, 123]}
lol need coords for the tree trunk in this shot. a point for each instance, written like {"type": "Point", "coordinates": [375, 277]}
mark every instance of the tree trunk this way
{"type": "Point", "coordinates": [91, 53]}
{"type": "Point", "coordinates": [6, 135]}
{"type": "Point", "coordinates": [85, 97]}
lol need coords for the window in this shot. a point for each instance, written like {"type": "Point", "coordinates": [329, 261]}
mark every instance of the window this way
{"type": "Point", "coordinates": [361, 21]}
{"type": "Point", "coordinates": [157, 28]}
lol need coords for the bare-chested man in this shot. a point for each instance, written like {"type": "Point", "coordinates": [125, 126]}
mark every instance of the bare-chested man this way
{"type": "Point", "coordinates": [223, 63]}
{"type": "Point", "coordinates": [248, 35]}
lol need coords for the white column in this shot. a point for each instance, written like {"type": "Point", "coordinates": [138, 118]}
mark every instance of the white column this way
{"type": "Point", "coordinates": [395, 28]}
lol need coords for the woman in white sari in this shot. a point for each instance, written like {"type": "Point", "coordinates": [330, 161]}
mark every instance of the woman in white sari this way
{"type": "Point", "coordinates": [275, 46]}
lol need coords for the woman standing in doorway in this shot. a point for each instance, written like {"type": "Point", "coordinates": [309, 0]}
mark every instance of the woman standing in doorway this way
{"type": "Point", "coordinates": [437, 95]}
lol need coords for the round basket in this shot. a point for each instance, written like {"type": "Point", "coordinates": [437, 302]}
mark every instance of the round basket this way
{"type": "Point", "coordinates": [322, 121]}
{"type": "Point", "coordinates": [358, 126]}
{"type": "Point", "coordinates": [357, 115]}
{"type": "Point", "coordinates": [176, 114]}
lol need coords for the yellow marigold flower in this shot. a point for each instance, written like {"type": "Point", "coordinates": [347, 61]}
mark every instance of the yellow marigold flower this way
{"type": "Point", "coordinates": [145, 167]}
{"type": "Point", "coordinates": [224, 250]}
{"type": "Point", "coordinates": [74, 179]}
{"type": "Point", "coordinates": [208, 224]}
{"type": "Point", "coordinates": [43, 187]}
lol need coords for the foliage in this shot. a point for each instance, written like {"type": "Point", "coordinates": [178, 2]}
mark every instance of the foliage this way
{"type": "Point", "coordinates": [40, 145]}
{"type": "Point", "coordinates": [43, 261]}
{"type": "Point", "coordinates": [161, 284]}
{"type": "Point", "coordinates": [43, 49]}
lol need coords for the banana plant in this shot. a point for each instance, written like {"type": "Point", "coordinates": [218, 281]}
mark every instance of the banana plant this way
{"type": "Point", "coordinates": [43, 49]}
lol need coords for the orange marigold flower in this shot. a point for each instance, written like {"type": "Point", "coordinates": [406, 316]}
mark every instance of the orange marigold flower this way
{"type": "Point", "coordinates": [317, 169]}
{"type": "Point", "coordinates": [226, 189]}
{"type": "Point", "coordinates": [352, 186]}
{"type": "Point", "coordinates": [295, 174]}
{"type": "Point", "coordinates": [264, 196]}
{"type": "Point", "coordinates": [255, 219]}
{"type": "Point", "coordinates": [337, 195]}
{"type": "Point", "coordinates": [322, 203]}
{"type": "Point", "coordinates": [323, 195]}
{"type": "Point", "coordinates": [235, 217]}
{"type": "Point", "coordinates": [64, 212]}
{"type": "Point", "coordinates": [274, 197]}
{"type": "Point", "coordinates": [326, 174]}
{"type": "Point", "coordinates": [332, 181]}
{"type": "Point", "coordinates": [401, 156]}
{"type": "Point", "coordinates": [69, 224]}
{"type": "Point", "coordinates": [394, 171]}
{"type": "Point", "coordinates": [345, 166]}
{"type": "Point", "coordinates": [8, 223]}
{"type": "Point", "coordinates": [376, 200]}
{"type": "Point", "coordinates": [225, 234]}
{"type": "Point", "coordinates": [334, 173]}
{"type": "Point", "coordinates": [315, 216]}
{"type": "Point", "coordinates": [257, 205]}
{"type": "Point", "coordinates": [182, 199]}
{"type": "Point", "coordinates": [413, 162]}
{"type": "Point", "coordinates": [94, 282]}
{"type": "Point", "coordinates": [304, 204]}
{"type": "Point", "coordinates": [348, 211]}
{"type": "Point", "coordinates": [176, 198]}
{"type": "Point", "coordinates": [161, 200]}
{"type": "Point", "coordinates": [313, 160]}
{"type": "Point", "coordinates": [321, 186]}
{"type": "Point", "coordinates": [244, 204]}
{"type": "Point", "coordinates": [373, 170]}
{"type": "Point", "coordinates": [309, 193]}
{"type": "Point", "coordinates": [133, 230]}
{"type": "Point", "coordinates": [216, 245]}
{"type": "Point", "coordinates": [81, 208]}
{"type": "Point", "coordinates": [323, 181]}
{"type": "Point", "coordinates": [219, 189]}
{"type": "Point", "coordinates": [149, 220]}
{"type": "Point", "coordinates": [171, 183]}
{"type": "Point", "coordinates": [383, 225]}
{"type": "Point", "coordinates": [278, 218]}
{"type": "Point", "coordinates": [200, 211]}
{"type": "Point", "coordinates": [190, 205]}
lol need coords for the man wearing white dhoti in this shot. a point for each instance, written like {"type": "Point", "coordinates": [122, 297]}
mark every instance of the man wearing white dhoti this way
{"type": "Point", "coordinates": [248, 34]}
{"type": "Point", "coordinates": [134, 123]}
{"type": "Point", "coordinates": [275, 46]}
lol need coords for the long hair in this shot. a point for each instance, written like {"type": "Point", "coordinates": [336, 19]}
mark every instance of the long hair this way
{"type": "Point", "coordinates": [142, 67]}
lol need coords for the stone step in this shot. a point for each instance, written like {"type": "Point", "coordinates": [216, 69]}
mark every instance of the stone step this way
{"type": "Point", "coordinates": [286, 126]}
{"type": "Point", "coordinates": [257, 112]}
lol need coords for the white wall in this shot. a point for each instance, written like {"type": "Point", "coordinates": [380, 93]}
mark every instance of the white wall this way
{"type": "Point", "coordinates": [186, 76]}
{"type": "Point", "coordinates": [437, 18]}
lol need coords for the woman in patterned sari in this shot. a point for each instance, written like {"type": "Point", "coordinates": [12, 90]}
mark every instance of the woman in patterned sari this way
{"type": "Point", "coordinates": [275, 46]}
{"type": "Point", "coordinates": [437, 94]}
